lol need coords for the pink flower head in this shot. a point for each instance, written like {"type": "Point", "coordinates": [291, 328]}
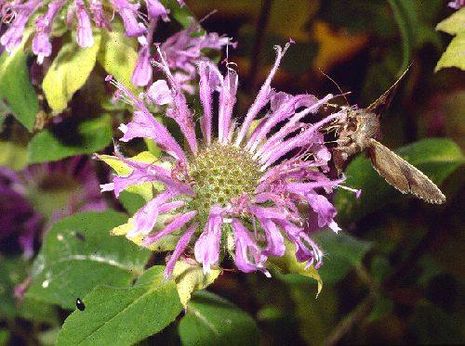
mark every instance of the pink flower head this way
{"type": "Point", "coordinates": [243, 185]}
{"type": "Point", "coordinates": [80, 14]}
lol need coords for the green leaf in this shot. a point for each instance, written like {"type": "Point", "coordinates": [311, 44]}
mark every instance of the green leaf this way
{"type": "Point", "coordinates": [123, 316]}
{"type": "Point", "coordinates": [4, 337]}
{"type": "Point", "coordinates": [132, 202]}
{"type": "Point", "coordinates": [181, 14]}
{"type": "Point", "coordinates": [212, 320]}
{"type": "Point", "coordinates": [55, 144]}
{"type": "Point", "coordinates": [454, 24]}
{"type": "Point", "coordinates": [436, 157]}
{"type": "Point", "coordinates": [13, 155]}
{"type": "Point", "coordinates": [190, 278]}
{"type": "Point", "coordinates": [407, 21]}
{"type": "Point", "coordinates": [118, 56]}
{"type": "Point", "coordinates": [16, 88]}
{"type": "Point", "coordinates": [288, 264]}
{"type": "Point", "coordinates": [12, 273]}
{"type": "Point", "coordinates": [79, 253]}
{"type": "Point", "coordinates": [454, 54]}
{"type": "Point", "coordinates": [68, 72]}
{"type": "Point", "coordinates": [343, 252]}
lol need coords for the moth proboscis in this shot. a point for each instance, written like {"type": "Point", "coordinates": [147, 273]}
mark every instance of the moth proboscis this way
{"type": "Point", "coordinates": [359, 130]}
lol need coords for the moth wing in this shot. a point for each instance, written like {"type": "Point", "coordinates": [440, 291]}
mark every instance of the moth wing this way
{"type": "Point", "coordinates": [402, 175]}
{"type": "Point", "coordinates": [385, 99]}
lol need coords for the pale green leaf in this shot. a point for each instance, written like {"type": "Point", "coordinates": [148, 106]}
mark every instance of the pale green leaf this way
{"type": "Point", "coordinates": [288, 264]}
{"type": "Point", "coordinates": [123, 316]}
{"type": "Point", "coordinates": [190, 278]}
{"type": "Point", "coordinates": [68, 72]}
{"type": "Point", "coordinates": [118, 56]}
{"type": "Point", "coordinates": [79, 253]}
{"type": "Point", "coordinates": [13, 155]}
{"type": "Point", "coordinates": [454, 56]}
{"type": "Point", "coordinates": [454, 24]}
{"type": "Point", "coordinates": [212, 320]}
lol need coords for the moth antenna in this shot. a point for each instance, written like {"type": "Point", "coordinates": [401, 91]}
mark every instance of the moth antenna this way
{"type": "Point", "coordinates": [343, 94]}
{"type": "Point", "coordinates": [207, 16]}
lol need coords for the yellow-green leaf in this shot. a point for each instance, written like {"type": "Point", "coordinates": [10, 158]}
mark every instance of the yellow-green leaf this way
{"type": "Point", "coordinates": [454, 24]}
{"type": "Point", "coordinates": [118, 56]}
{"type": "Point", "coordinates": [68, 72]}
{"type": "Point", "coordinates": [454, 56]}
{"type": "Point", "coordinates": [190, 277]}
{"type": "Point", "coordinates": [146, 189]}
{"type": "Point", "coordinates": [288, 264]}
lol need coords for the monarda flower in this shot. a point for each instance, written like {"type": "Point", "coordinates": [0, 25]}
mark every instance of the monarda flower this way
{"type": "Point", "coordinates": [241, 189]}
{"type": "Point", "coordinates": [40, 194]}
{"type": "Point", "coordinates": [79, 14]}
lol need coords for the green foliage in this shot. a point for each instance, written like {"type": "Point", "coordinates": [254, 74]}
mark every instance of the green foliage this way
{"type": "Point", "coordinates": [68, 72]}
{"type": "Point", "coordinates": [211, 320]}
{"type": "Point", "coordinates": [343, 253]}
{"type": "Point", "coordinates": [118, 56]}
{"type": "Point", "coordinates": [12, 273]}
{"type": "Point", "coordinates": [51, 145]}
{"type": "Point", "coordinates": [78, 254]}
{"type": "Point", "coordinates": [437, 158]}
{"type": "Point", "coordinates": [123, 316]}
{"type": "Point", "coordinates": [16, 87]}
{"type": "Point", "coordinates": [453, 56]}
{"type": "Point", "coordinates": [13, 155]}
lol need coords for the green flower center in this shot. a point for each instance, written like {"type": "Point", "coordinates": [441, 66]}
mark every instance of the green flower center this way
{"type": "Point", "coordinates": [221, 173]}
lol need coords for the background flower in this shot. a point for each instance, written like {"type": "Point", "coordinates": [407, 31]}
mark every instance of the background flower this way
{"type": "Point", "coordinates": [39, 195]}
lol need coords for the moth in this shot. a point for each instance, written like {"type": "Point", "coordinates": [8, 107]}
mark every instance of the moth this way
{"type": "Point", "coordinates": [359, 130]}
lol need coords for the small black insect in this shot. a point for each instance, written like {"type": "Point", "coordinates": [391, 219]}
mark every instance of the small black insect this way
{"type": "Point", "coordinates": [80, 304]}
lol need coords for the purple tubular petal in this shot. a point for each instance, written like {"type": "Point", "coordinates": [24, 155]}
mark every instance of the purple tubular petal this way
{"type": "Point", "coordinates": [282, 107]}
{"type": "Point", "coordinates": [143, 125]}
{"type": "Point", "coordinates": [210, 79]}
{"type": "Point", "coordinates": [146, 217]}
{"type": "Point", "coordinates": [207, 247]}
{"type": "Point", "coordinates": [157, 10]}
{"type": "Point", "coordinates": [275, 241]}
{"type": "Point", "coordinates": [143, 72]}
{"type": "Point", "coordinates": [179, 110]}
{"type": "Point", "coordinates": [226, 104]}
{"type": "Point", "coordinates": [179, 249]}
{"type": "Point", "coordinates": [174, 225]}
{"type": "Point", "coordinates": [248, 256]}
{"type": "Point", "coordinates": [13, 36]}
{"type": "Point", "coordinates": [84, 35]}
{"type": "Point", "coordinates": [298, 141]}
{"type": "Point", "coordinates": [146, 172]}
{"type": "Point", "coordinates": [263, 96]}
{"type": "Point", "coordinates": [128, 13]}
{"type": "Point", "coordinates": [98, 16]}
{"type": "Point", "coordinates": [292, 125]}
{"type": "Point", "coordinates": [41, 45]}
{"type": "Point", "coordinates": [160, 93]}
{"type": "Point", "coordinates": [306, 249]}
{"type": "Point", "coordinates": [322, 207]}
